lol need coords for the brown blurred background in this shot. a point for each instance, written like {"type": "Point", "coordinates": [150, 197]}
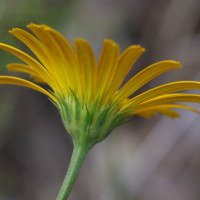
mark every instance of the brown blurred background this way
{"type": "Point", "coordinates": [146, 160]}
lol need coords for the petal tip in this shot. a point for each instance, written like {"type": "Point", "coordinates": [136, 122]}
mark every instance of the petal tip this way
{"type": "Point", "coordinates": [171, 62]}
{"type": "Point", "coordinates": [41, 26]}
{"type": "Point", "coordinates": [109, 41]}
{"type": "Point", "coordinates": [14, 30]}
{"type": "Point", "coordinates": [179, 64]}
{"type": "Point", "coordinates": [31, 24]}
{"type": "Point", "coordinates": [78, 39]}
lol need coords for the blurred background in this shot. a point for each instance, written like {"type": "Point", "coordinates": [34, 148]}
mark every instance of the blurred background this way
{"type": "Point", "coordinates": [146, 160]}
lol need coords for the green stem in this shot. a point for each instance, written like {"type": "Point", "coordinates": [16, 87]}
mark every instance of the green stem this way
{"type": "Point", "coordinates": [79, 153]}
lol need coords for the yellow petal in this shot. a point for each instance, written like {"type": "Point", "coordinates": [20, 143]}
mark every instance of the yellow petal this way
{"type": "Point", "coordinates": [166, 106]}
{"type": "Point", "coordinates": [17, 67]}
{"type": "Point", "coordinates": [106, 67]}
{"type": "Point", "coordinates": [169, 112]}
{"type": "Point", "coordinates": [36, 78]}
{"type": "Point", "coordinates": [163, 109]}
{"type": "Point", "coordinates": [125, 62]}
{"type": "Point", "coordinates": [87, 66]}
{"type": "Point", "coordinates": [147, 114]}
{"type": "Point", "coordinates": [168, 98]}
{"type": "Point", "coordinates": [39, 69]}
{"type": "Point", "coordinates": [55, 56]}
{"type": "Point", "coordinates": [69, 56]}
{"type": "Point", "coordinates": [21, 82]}
{"type": "Point", "coordinates": [143, 77]}
{"type": "Point", "coordinates": [161, 90]}
{"type": "Point", "coordinates": [36, 47]}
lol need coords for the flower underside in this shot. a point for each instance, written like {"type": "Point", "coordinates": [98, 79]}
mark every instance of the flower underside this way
{"type": "Point", "coordinates": [87, 94]}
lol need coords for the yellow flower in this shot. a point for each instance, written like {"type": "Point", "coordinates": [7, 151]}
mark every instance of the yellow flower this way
{"type": "Point", "coordinates": [88, 96]}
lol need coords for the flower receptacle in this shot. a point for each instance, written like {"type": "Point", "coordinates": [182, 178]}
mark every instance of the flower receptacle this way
{"type": "Point", "coordinates": [89, 123]}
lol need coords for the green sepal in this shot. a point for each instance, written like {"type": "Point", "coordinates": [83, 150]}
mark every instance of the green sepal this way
{"type": "Point", "coordinates": [89, 122]}
{"type": "Point", "coordinates": [54, 103]}
{"type": "Point", "coordinates": [109, 132]}
{"type": "Point", "coordinates": [94, 108]}
{"type": "Point", "coordinates": [66, 111]}
{"type": "Point", "coordinates": [123, 123]}
{"type": "Point", "coordinates": [117, 125]}
{"type": "Point", "coordinates": [86, 122]}
{"type": "Point", "coordinates": [77, 107]}
{"type": "Point", "coordinates": [52, 93]}
{"type": "Point", "coordinates": [116, 119]}
{"type": "Point", "coordinates": [124, 120]}
{"type": "Point", "coordinates": [102, 118]}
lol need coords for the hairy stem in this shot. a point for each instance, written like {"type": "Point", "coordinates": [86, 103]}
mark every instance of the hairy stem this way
{"type": "Point", "coordinates": [79, 153]}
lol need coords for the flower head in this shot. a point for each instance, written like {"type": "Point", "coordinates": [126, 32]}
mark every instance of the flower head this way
{"type": "Point", "coordinates": [88, 95]}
